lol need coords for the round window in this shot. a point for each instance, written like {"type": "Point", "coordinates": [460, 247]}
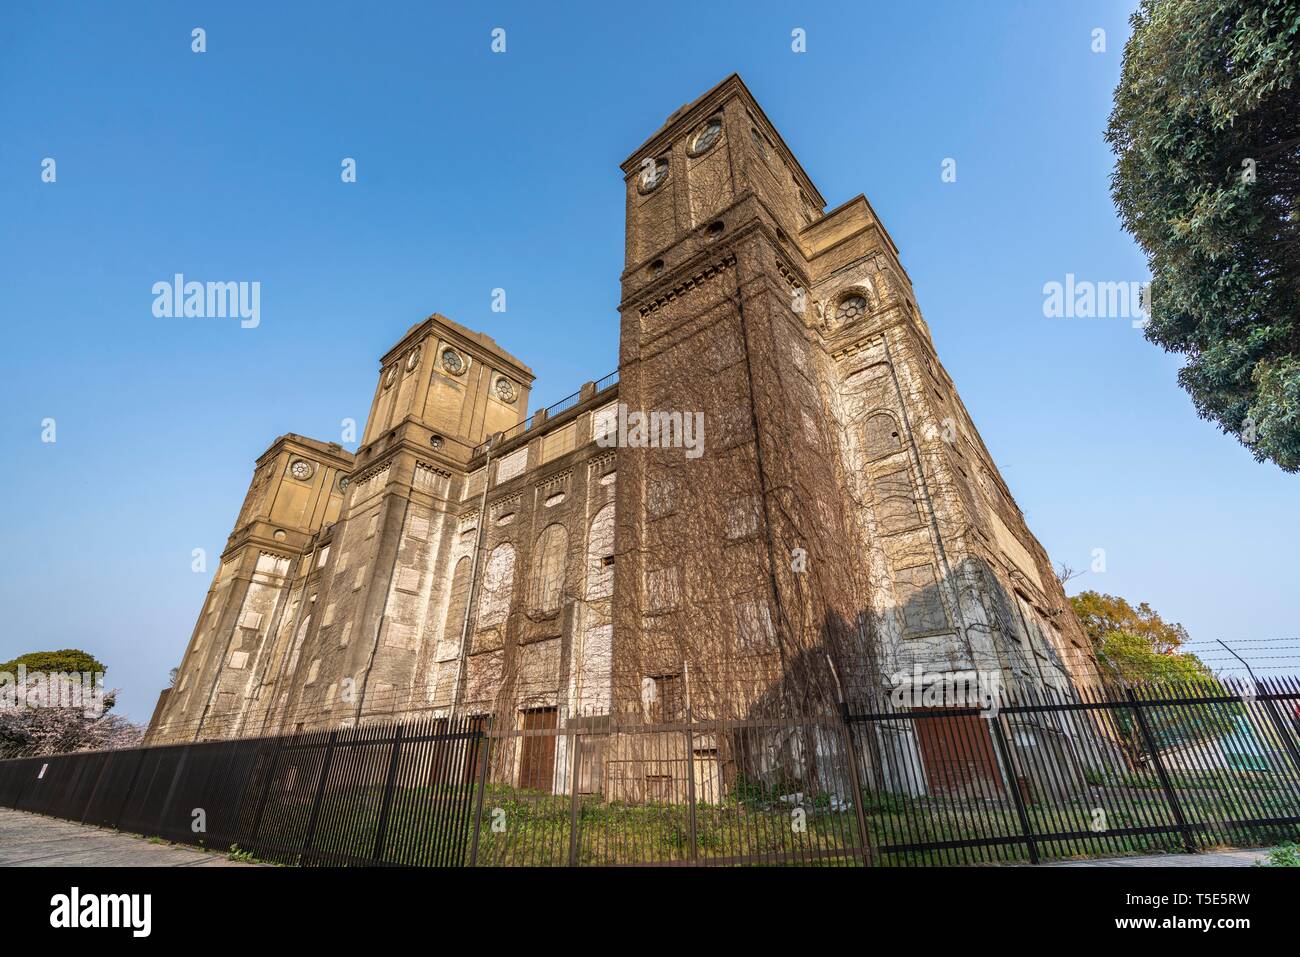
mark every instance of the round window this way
{"type": "Point", "coordinates": [652, 174]}
{"type": "Point", "coordinates": [709, 134]}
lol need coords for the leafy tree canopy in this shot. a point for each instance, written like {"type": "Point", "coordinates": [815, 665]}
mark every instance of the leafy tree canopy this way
{"type": "Point", "coordinates": [1135, 644]}
{"type": "Point", "coordinates": [67, 660]}
{"type": "Point", "coordinates": [1206, 130]}
{"type": "Point", "coordinates": [55, 730]}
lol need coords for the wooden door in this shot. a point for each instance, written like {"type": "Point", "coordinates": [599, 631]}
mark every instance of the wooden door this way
{"type": "Point", "coordinates": [537, 753]}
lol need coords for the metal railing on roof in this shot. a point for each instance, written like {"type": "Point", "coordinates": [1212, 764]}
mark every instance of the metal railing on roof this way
{"type": "Point", "coordinates": [543, 415]}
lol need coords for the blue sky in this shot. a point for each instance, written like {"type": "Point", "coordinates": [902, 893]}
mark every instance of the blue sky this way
{"type": "Point", "coordinates": [479, 170]}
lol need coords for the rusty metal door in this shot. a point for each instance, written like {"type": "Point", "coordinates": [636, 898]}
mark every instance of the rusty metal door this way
{"type": "Point", "coordinates": [537, 757]}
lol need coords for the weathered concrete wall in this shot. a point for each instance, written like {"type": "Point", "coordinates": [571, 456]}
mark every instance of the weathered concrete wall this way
{"type": "Point", "coordinates": [844, 525]}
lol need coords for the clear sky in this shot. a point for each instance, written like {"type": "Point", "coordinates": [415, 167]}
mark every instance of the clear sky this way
{"type": "Point", "coordinates": [478, 171]}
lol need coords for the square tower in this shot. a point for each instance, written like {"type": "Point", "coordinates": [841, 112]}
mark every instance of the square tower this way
{"type": "Point", "coordinates": [733, 571]}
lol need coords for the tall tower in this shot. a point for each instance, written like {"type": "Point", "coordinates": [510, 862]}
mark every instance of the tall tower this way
{"type": "Point", "coordinates": [732, 566]}
{"type": "Point", "coordinates": [297, 489]}
{"type": "Point", "coordinates": [845, 525]}
{"type": "Point", "coordinates": [367, 639]}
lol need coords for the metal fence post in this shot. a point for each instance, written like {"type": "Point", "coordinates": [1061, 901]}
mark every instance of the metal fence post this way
{"type": "Point", "coordinates": [130, 789]}
{"type": "Point", "coordinates": [1261, 694]}
{"type": "Point", "coordinates": [171, 790]}
{"type": "Point", "coordinates": [266, 790]}
{"type": "Point", "coordinates": [1014, 783]}
{"type": "Point", "coordinates": [320, 792]}
{"type": "Point", "coordinates": [859, 786]}
{"type": "Point", "coordinates": [99, 778]}
{"type": "Point", "coordinates": [390, 783]}
{"type": "Point", "coordinates": [690, 786]}
{"type": "Point", "coordinates": [575, 748]}
{"type": "Point", "coordinates": [1189, 842]}
{"type": "Point", "coordinates": [482, 787]}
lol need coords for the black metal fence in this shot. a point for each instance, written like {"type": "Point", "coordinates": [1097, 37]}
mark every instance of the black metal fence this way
{"type": "Point", "coordinates": [370, 795]}
{"type": "Point", "coordinates": [1170, 768]}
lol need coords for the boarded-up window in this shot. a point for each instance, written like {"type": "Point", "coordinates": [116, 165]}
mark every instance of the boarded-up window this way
{"type": "Point", "coordinates": [594, 670]}
{"type": "Point", "coordinates": [498, 586]}
{"type": "Point", "coordinates": [662, 591]}
{"type": "Point", "coordinates": [734, 424]}
{"type": "Point", "coordinates": [399, 634]}
{"type": "Point", "coordinates": [512, 465]}
{"type": "Point", "coordinates": [474, 484]}
{"type": "Point", "coordinates": [742, 517]}
{"type": "Point", "coordinates": [661, 498]}
{"type": "Point", "coordinates": [455, 620]}
{"type": "Point", "coordinates": [664, 698]}
{"type": "Point", "coordinates": [1006, 618]}
{"type": "Point", "coordinates": [272, 564]}
{"type": "Point", "coordinates": [548, 570]}
{"type": "Point", "coordinates": [895, 505]}
{"type": "Point", "coordinates": [604, 424]}
{"type": "Point", "coordinates": [418, 527]}
{"type": "Point", "coordinates": [754, 625]}
{"type": "Point", "coordinates": [880, 435]}
{"type": "Point", "coordinates": [811, 433]}
{"type": "Point", "coordinates": [922, 605]}
{"type": "Point", "coordinates": [1032, 627]}
{"type": "Point", "coordinates": [559, 442]}
{"type": "Point", "coordinates": [600, 545]}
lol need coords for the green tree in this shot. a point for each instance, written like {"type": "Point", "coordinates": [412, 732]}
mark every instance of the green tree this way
{"type": "Point", "coordinates": [66, 660]}
{"type": "Point", "coordinates": [1134, 645]}
{"type": "Point", "coordinates": [1206, 130]}
{"type": "Point", "coordinates": [55, 729]}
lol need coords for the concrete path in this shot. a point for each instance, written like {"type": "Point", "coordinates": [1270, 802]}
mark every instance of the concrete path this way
{"type": "Point", "coordinates": [1243, 858]}
{"type": "Point", "coordinates": [33, 840]}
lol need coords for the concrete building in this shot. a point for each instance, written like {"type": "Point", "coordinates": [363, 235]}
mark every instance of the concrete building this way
{"type": "Point", "coordinates": [778, 500]}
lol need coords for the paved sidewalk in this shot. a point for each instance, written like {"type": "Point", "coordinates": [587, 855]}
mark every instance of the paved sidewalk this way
{"type": "Point", "coordinates": [33, 840]}
{"type": "Point", "coordinates": [1242, 858]}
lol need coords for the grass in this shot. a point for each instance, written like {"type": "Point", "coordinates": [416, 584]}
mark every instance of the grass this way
{"type": "Point", "coordinates": [1285, 855]}
{"type": "Point", "coordinates": [754, 825]}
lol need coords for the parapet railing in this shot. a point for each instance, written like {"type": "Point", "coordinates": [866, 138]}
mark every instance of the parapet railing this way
{"type": "Point", "coordinates": [551, 411]}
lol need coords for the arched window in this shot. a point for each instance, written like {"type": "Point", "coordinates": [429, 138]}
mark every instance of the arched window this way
{"type": "Point", "coordinates": [600, 554]}
{"type": "Point", "coordinates": [880, 435]}
{"type": "Point", "coordinates": [895, 503]}
{"type": "Point", "coordinates": [548, 570]}
{"type": "Point", "coordinates": [498, 586]}
{"type": "Point", "coordinates": [454, 623]}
